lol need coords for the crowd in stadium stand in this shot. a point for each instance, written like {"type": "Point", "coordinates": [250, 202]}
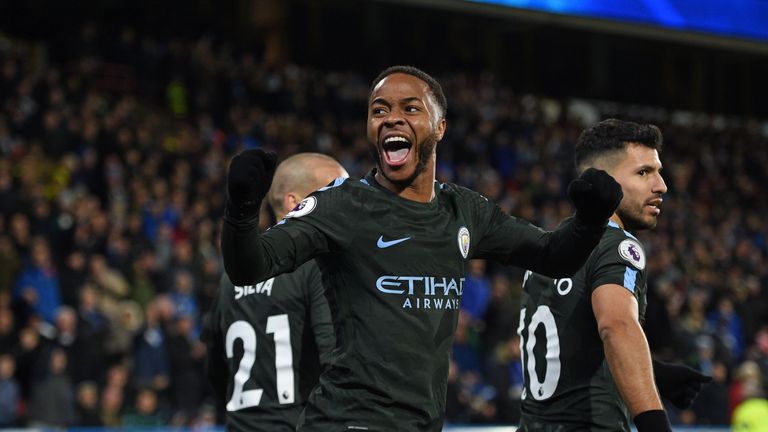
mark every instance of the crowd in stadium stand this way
{"type": "Point", "coordinates": [113, 157]}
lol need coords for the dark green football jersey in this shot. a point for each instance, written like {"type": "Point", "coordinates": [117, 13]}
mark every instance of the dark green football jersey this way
{"type": "Point", "coordinates": [394, 270]}
{"type": "Point", "coordinates": [568, 386]}
{"type": "Point", "coordinates": [266, 344]}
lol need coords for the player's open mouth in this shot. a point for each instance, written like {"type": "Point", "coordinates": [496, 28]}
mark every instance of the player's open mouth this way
{"type": "Point", "coordinates": [655, 206]}
{"type": "Point", "coordinates": [396, 150]}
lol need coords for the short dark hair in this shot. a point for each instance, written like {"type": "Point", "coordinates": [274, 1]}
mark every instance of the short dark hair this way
{"type": "Point", "coordinates": [434, 86]}
{"type": "Point", "coordinates": [611, 135]}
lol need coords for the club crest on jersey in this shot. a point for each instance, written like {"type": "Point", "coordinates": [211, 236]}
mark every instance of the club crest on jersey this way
{"type": "Point", "coordinates": [303, 208]}
{"type": "Point", "coordinates": [463, 241]}
{"type": "Point", "coordinates": [631, 251]}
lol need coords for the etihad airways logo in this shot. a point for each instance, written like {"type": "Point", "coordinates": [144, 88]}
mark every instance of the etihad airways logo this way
{"type": "Point", "coordinates": [424, 292]}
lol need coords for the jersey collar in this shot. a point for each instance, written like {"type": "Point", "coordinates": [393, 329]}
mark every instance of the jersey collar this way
{"type": "Point", "coordinates": [370, 179]}
{"type": "Point", "coordinates": [615, 225]}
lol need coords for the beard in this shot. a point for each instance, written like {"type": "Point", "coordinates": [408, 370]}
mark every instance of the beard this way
{"type": "Point", "coordinates": [633, 220]}
{"type": "Point", "coordinates": [424, 151]}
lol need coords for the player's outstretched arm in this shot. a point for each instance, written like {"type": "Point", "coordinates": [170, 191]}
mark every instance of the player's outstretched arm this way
{"type": "Point", "coordinates": [562, 252]}
{"type": "Point", "coordinates": [628, 356]}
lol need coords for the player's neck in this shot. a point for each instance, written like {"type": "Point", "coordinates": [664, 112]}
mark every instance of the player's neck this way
{"type": "Point", "coordinates": [421, 189]}
{"type": "Point", "coordinates": [615, 218]}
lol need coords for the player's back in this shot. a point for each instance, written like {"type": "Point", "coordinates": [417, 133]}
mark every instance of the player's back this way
{"type": "Point", "coordinates": [568, 386]}
{"type": "Point", "coordinates": [265, 336]}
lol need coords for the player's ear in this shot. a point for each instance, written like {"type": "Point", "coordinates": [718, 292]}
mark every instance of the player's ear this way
{"type": "Point", "coordinates": [290, 200]}
{"type": "Point", "coordinates": [440, 129]}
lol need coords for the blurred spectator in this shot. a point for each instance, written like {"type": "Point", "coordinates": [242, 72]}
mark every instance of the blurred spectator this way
{"type": "Point", "coordinates": [126, 320]}
{"type": "Point", "coordinates": [31, 358]}
{"type": "Point", "coordinates": [151, 364]}
{"type": "Point", "coordinates": [111, 406]}
{"type": "Point", "coordinates": [727, 325]}
{"type": "Point", "coordinates": [9, 196]}
{"type": "Point", "coordinates": [111, 285]}
{"type": "Point", "coordinates": [711, 406]}
{"type": "Point", "coordinates": [747, 377]}
{"type": "Point", "coordinates": [37, 289]}
{"type": "Point", "coordinates": [18, 227]}
{"type": "Point", "coordinates": [206, 418]}
{"type": "Point", "coordinates": [182, 294]}
{"type": "Point", "coordinates": [8, 336]}
{"type": "Point", "coordinates": [9, 262]}
{"type": "Point", "coordinates": [72, 277]}
{"type": "Point", "coordinates": [145, 278]}
{"type": "Point", "coordinates": [481, 398]}
{"type": "Point", "coordinates": [457, 402]}
{"type": "Point", "coordinates": [182, 261]}
{"type": "Point", "coordinates": [759, 352]}
{"type": "Point", "coordinates": [752, 414]}
{"type": "Point", "coordinates": [502, 314]}
{"type": "Point", "coordinates": [88, 405]}
{"type": "Point", "coordinates": [752, 306]}
{"type": "Point", "coordinates": [477, 291]}
{"type": "Point", "coordinates": [186, 355]}
{"type": "Point", "coordinates": [145, 412]}
{"type": "Point", "coordinates": [65, 337]}
{"type": "Point", "coordinates": [93, 331]}
{"type": "Point", "coordinates": [505, 373]}
{"type": "Point", "coordinates": [465, 350]}
{"type": "Point", "coordinates": [52, 402]}
{"type": "Point", "coordinates": [10, 394]}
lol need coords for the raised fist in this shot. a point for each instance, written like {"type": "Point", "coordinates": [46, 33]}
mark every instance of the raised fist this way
{"type": "Point", "coordinates": [248, 180]}
{"type": "Point", "coordinates": [596, 195]}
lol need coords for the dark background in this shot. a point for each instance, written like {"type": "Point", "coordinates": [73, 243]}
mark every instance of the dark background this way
{"type": "Point", "coordinates": [528, 55]}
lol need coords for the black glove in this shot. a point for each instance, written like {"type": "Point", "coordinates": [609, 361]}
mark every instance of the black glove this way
{"type": "Point", "coordinates": [652, 421]}
{"type": "Point", "coordinates": [248, 180]}
{"type": "Point", "coordinates": [596, 195]}
{"type": "Point", "coordinates": [678, 383]}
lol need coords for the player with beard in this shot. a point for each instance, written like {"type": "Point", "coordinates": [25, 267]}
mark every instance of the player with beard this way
{"type": "Point", "coordinates": [586, 361]}
{"type": "Point", "coordinates": [393, 249]}
{"type": "Point", "coordinates": [268, 340]}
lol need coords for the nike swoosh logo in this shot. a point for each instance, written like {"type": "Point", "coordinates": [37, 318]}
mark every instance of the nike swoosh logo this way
{"type": "Point", "coordinates": [385, 244]}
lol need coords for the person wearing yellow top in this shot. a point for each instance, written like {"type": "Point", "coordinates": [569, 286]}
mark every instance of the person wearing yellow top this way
{"type": "Point", "coordinates": [752, 414]}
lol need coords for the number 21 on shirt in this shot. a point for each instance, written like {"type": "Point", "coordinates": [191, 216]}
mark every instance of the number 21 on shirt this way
{"type": "Point", "coordinates": [279, 326]}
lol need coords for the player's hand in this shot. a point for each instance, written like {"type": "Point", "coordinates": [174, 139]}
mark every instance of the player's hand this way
{"type": "Point", "coordinates": [678, 383]}
{"type": "Point", "coordinates": [248, 180]}
{"type": "Point", "coordinates": [596, 195]}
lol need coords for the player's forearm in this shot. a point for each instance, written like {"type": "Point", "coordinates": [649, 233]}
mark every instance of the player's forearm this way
{"type": "Point", "coordinates": [629, 360]}
{"type": "Point", "coordinates": [568, 248]}
{"type": "Point", "coordinates": [242, 252]}
{"type": "Point", "coordinates": [251, 257]}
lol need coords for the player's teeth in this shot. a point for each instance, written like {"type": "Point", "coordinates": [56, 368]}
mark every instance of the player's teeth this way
{"type": "Point", "coordinates": [393, 139]}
